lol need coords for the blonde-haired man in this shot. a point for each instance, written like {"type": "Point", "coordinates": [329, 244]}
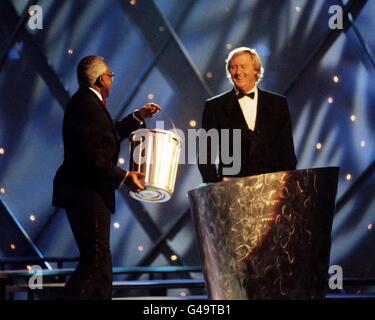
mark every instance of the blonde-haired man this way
{"type": "Point", "coordinates": [262, 116]}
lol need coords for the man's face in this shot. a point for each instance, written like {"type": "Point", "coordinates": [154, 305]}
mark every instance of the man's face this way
{"type": "Point", "coordinates": [241, 69]}
{"type": "Point", "coordinates": [106, 81]}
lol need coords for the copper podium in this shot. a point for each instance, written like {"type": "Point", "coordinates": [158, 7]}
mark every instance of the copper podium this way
{"type": "Point", "coordinates": [266, 236]}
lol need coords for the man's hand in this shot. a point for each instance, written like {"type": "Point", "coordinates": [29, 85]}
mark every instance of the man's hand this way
{"type": "Point", "coordinates": [134, 181]}
{"type": "Point", "coordinates": [148, 110]}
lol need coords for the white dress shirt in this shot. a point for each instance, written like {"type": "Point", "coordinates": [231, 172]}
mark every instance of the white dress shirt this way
{"type": "Point", "coordinates": [249, 107]}
{"type": "Point", "coordinates": [97, 93]}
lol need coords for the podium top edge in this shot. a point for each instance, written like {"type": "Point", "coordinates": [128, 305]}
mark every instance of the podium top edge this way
{"type": "Point", "coordinates": [333, 169]}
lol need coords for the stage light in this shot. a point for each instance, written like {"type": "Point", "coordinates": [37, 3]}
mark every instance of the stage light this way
{"type": "Point", "coordinates": [70, 51]}
{"type": "Point", "coordinates": [116, 225]}
{"type": "Point", "coordinates": [336, 78]}
{"type": "Point", "coordinates": [330, 100]}
{"type": "Point", "coordinates": [348, 177]}
{"type": "Point", "coordinates": [209, 74]}
{"type": "Point", "coordinates": [12, 246]}
{"type": "Point", "coordinates": [298, 8]}
{"type": "Point", "coordinates": [121, 160]}
{"type": "Point", "coordinates": [150, 96]}
{"type": "Point", "coordinates": [32, 217]}
{"type": "Point", "coordinates": [192, 123]}
{"type": "Point", "coordinates": [140, 248]}
{"type": "Point", "coordinates": [363, 143]}
{"type": "Point", "coordinates": [318, 146]}
{"type": "Point", "coordinates": [369, 227]}
{"type": "Point", "coordinates": [353, 117]}
{"type": "Point", "coordinates": [174, 257]}
{"type": "Point", "coordinates": [2, 151]}
{"type": "Point", "coordinates": [133, 2]}
{"type": "Point", "coordinates": [229, 46]}
{"type": "Point", "coordinates": [2, 190]}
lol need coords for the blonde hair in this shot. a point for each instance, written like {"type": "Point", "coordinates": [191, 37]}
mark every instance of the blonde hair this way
{"type": "Point", "coordinates": [254, 57]}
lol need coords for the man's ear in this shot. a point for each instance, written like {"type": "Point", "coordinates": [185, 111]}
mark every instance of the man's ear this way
{"type": "Point", "coordinates": [98, 82]}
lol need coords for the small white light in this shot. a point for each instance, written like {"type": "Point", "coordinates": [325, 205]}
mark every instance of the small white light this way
{"type": "Point", "coordinates": [133, 2]}
{"type": "Point", "coordinates": [363, 143]}
{"type": "Point", "coordinates": [70, 51]}
{"type": "Point", "coordinates": [2, 151]}
{"type": "Point", "coordinates": [116, 225]}
{"type": "Point", "coordinates": [150, 96]}
{"type": "Point", "coordinates": [318, 146]}
{"type": "Point", "coordinates": [209, 75]}
{"type": "Point", "coordinates": [336, 78]}
{"type": "Point", "coordinates": [121, 160]}
{"type": "Point", "coordinates": [348, 177]}
{"type": "Point", "coordinates": [2, 190]}
{"type": "Point", "coordinates": [369, 227]}
{"type": "Point", "coordinates": [330, 100]}
{"type": "Point", "coordinates": [353, 117]}
{"type": "Point", "coordinates": [28, 267]}
{"type": "Point", "coordinates": [140, 248]}
{"type": "Point", "coordinates": [12, 246]}
{"type": "Point", "coordinates": [228, 46]}
{"type": "Point", "coordinates": [174, 257]}
{"type": "Point", "coordinates": [32, 217]}
{"type": "Point", "coordinates": [192, 123]}
{"type": "Point", "coordinates": [298, 8]}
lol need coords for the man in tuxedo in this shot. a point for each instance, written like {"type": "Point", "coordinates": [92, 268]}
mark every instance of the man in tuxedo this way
{"type": "Point", "coordinates": [263, 118]}
{"type": "Point", "coordinates": [86, 181]}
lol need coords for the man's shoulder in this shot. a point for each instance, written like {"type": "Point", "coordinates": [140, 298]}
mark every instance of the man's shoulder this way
{"type": "Point", "coordinates": [83, 98]}
{"type": "Point", "coordinates": [220, 97]}
{"type": "Point", "coordinates": [83, 94]}
{"type": "Point", "coordinates": [271, 94]}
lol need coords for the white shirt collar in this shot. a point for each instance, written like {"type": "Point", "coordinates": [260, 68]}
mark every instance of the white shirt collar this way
{"type": "Point", "coordinates": [253, 89]}
{"type": "Point", "coordinates": [97, 93]}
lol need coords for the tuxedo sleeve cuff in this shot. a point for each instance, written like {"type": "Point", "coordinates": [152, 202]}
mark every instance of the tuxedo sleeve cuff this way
{"type": "Point", "coordinates": [123, 180]}
{"type": "Point", "coordinates": [138, 118]}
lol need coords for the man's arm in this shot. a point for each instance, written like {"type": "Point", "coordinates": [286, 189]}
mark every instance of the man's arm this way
{"type": "Point", "coordinates": [208, 170]}
{"type": "Point", "coordinates": [136, 120]}
{"type": "Point", "coordinates": [129, 124]}
{"type": "Point", "coordinates": [287, 156]}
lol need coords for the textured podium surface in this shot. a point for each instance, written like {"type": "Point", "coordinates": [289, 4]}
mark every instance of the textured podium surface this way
{"type": "Point", "coordinates": [266, 236]}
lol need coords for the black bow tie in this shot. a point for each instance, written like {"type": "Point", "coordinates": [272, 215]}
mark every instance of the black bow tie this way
{"type": "Point", "coordinates": [250, 95]}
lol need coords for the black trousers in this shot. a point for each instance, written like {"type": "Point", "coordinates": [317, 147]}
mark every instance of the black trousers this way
{"type": "Point", "coordinates": [90, 224]}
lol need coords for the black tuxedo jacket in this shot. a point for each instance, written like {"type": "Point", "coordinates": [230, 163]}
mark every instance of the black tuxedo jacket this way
{"type": "Point", "coordinates": [269, 148]}
{"type": "Point", "coordinates": [91, 149]}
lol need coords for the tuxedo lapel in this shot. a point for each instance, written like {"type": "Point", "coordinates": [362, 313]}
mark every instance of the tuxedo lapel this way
{"type": "Point", "coordinates": [260, 120]}
{"type": "Point", "coordinates": [234, 112]}
{"type": "Point", "coordinates": [100, 105]}
{"type": "Point", "coordinates": [104, 109]}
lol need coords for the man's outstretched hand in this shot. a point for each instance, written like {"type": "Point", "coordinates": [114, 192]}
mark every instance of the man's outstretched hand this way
{"type": "Point", "coordinates": [148, 110]}
{"type": "Point", "coordinates": [134, 181]}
